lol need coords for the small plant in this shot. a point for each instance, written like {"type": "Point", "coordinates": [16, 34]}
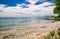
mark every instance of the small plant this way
{"type": "Point", "coordinates": [58, 32]}
{"type": "Point", "coordinates": [52, 33]}
{"type": "Point", "coordinates": [58, 28]}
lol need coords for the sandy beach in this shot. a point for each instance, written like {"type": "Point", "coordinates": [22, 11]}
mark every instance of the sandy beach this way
{"type": "Point", "coordinates": [29, 31]}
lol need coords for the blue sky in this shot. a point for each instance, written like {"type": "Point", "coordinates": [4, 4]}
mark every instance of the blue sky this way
{"type": "Point", "coordinates": [14, 2]}
{"type": "Point", "coordinates": [20, 8]}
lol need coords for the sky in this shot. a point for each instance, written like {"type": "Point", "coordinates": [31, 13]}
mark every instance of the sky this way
{"type": "Point", "coordinates": [26, 8]}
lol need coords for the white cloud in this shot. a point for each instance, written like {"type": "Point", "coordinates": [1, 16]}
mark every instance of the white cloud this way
{"type": "Point", "coordinates": [46, 4]}
{"type": "Point", "coordinates": [42, 0]}
{"type": "Point", "coordinates": [1, 5]}
{"type": "Point", "coordinates": [17, 11]}
{"type": "Point", "coordinates": [32, 1]}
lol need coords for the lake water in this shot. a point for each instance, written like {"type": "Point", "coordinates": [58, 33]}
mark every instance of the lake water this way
{"type": "Point", "coordinates": [12, 22]}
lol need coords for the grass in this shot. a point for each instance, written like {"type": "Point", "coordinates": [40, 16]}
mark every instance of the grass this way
{"type": "Point", "coordinates": [54, 34]}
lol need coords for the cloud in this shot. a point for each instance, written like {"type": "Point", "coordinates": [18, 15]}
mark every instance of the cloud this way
{"type": "Point", "coordinates": [22, 5]}
{"type": "Point", "coordinates": [32, 1]}
{"type": "Point", "coordinates": [46, 4]}
{"type": "Point", "coordinates": [37, 2]}
{"type": "Point", "coordinates": [32, 10]}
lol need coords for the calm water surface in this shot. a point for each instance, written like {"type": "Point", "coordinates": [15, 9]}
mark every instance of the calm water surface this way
{"type": "Point", "coordinates": [12, 22]}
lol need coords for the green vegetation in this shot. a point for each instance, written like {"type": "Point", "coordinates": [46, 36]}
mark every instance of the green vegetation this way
{"type": "Point", "coordinates": [58, 28]}
{"type": "Point", "coordinates": [57, 10]}
{"type": "Point", "coordinates": [54, 34]}
{"type": "Point", "coordinates": [58, 32]}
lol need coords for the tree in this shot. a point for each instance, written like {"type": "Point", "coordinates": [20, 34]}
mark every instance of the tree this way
{"type": "Point", "coordinates": [57, 9]}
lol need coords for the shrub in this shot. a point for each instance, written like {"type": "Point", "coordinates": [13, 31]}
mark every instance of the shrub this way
{"type": "Point", "coordinates": [52, 33]}
{"type": "Point", "coordinates": [58, 28]}
{"type": "Point", "coordinates": [58, 32]}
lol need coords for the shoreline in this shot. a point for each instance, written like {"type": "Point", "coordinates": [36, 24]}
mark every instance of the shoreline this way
{"type": "Point", "coordinates": [28, 32]}
{"type": "Point", "coordinates": [27, 25]}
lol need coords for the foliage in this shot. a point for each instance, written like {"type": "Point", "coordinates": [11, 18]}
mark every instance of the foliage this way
{"type": "Point", "coordinates": [57, 9]}
{"type": "Point", "coordinates": [52, 33]}
{"type": "Point", "coordinates": [57, 18]}
{"type": "Point", "coordinates": [58, 32]}
{"type": "Point", "coordinates": [57, 2]}
{"type": "Point", "coordinates": [58, 28]}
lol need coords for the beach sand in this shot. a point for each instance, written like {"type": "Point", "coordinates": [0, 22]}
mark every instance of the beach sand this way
{"type": "Point", "coordinates": [29, 31]}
